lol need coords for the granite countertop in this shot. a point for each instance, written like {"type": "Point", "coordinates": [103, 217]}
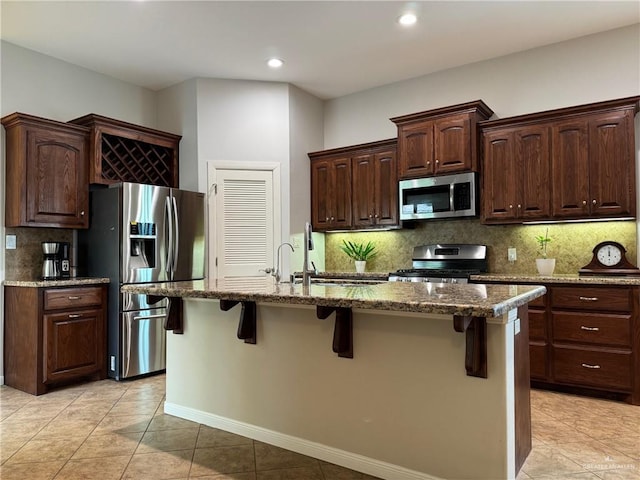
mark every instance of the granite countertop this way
{"type": "Point", "coordinates": [69, 282]}
{"type": "Point", "coordinates": [449, 299]}
{"type": "Point", "coordinates": [560, 278]}
{"type": "Point", "coordinates": [349, 275]}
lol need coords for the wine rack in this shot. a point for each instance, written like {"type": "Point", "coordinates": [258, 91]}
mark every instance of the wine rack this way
{"type": "Point", "coordinates": [124, 152]}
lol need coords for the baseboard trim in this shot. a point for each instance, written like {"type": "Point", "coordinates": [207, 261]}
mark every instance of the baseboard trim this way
{"type": "Point", "coordinates": [333, 455]}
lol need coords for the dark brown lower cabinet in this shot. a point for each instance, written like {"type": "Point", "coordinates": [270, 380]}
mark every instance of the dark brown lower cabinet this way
{"type": "Point", "coordinates": [585, 338]}
{"type": "Point", "coordinates": [54, 336]}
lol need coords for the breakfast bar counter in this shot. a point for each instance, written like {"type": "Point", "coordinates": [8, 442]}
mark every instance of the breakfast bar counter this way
{"type": "Point", "coordinates": [397, 380]}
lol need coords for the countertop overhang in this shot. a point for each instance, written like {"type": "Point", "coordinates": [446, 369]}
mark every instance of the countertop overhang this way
{"type": "Point", "coordinates": [466, 300]}
{"type": "Point", "coordinates": [67, 282]}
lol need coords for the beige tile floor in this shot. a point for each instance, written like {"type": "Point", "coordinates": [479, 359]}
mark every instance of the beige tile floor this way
{"type": "Point", "coordinates": [117, 430]}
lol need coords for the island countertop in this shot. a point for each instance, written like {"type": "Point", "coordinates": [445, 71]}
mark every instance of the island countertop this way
{"type": "Point", "coordinates": [476, 300]}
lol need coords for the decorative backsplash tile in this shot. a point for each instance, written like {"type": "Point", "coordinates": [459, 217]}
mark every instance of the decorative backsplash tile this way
{"type": "Point", "coordinates": [25, 262]}
{"type": "Point", "coordinates": [571, 246]}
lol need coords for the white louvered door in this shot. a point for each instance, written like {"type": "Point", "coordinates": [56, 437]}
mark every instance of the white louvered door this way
{"type": "Point", "coordinates": [244, 222]}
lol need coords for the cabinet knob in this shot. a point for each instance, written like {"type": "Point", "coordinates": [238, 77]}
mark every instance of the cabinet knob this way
{"type": "Point", "coordinates": [510, 206]}
{"type": "Point", "coordinates": [593, 201]}
{"type": "Point", "coordinates": [333, 218]}
{"type": "Point", "coordinates": [74, 315]}
{"type": "Point", "coordinates": [376, 215]}
{"type": "Point", "coordinates": [370, 216]}
{"type": "Point", "coordinates": [437, 162]}
{"type": "Point", "coordinates": [428, 162]}
{"type": "Point", "coordinates": [589, 329]}
{"type": "Point", "coordinates": [584, 202]}
{"type": "Point", "coordinates": [519, 206]}
{"type": "Point", "coordinates": [326, 219]}
{"type": "Point", "coordinates": [82, 213]}
{"type": "Point", "coordinates": [588, 299]}
{"type": "Point", "coordinates": [74, 298]}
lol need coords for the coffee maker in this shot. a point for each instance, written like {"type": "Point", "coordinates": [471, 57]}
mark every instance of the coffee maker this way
{"type": "Point", "coordinates": [51, 261]}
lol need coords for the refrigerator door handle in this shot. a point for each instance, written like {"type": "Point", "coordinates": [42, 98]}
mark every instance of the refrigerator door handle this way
{"type": "Point", "coordinates": [169, 236]}
{"type": "Point", "coordinates": [149, 317]}
{"type": "Point", "coordinates": [176, 241]}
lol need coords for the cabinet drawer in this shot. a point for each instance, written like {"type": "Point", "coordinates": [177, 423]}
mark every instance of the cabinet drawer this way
{"type": "Point", "coordinates": [59, 298]}
{"type": "Point", "coordinates": [539, 302]}
{"type": "Point", "coordinates": [592, 368]}
{"type": "Point", "coordinates": [590, 298]}
{"type": "Point", "coordinates": [537, 324]}
{"type": "Point", "coordinates": [538, 361]}
{"type": "Point", "coordinates": [592, 328]}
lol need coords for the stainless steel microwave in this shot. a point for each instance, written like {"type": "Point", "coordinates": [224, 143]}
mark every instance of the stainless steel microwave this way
{"type": "Point", "coordinates": [447, 196]}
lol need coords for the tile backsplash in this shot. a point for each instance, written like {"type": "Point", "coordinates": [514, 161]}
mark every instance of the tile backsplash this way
{"type": "Point", "coordinates": [572, 244]}
{"type": "Point", "coordinates": [25, 262]}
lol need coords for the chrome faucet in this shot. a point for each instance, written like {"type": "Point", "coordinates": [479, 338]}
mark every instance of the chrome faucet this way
{"type": "Point", "coordinates": [278, 270]}
{"type": "Point", "coordinates": [308, 246]}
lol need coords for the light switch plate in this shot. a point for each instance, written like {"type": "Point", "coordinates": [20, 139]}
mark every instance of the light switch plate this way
{"type": "Point", "coordinates": [10, 242]}
{"type": "Point", "coordinates": [512, 254]}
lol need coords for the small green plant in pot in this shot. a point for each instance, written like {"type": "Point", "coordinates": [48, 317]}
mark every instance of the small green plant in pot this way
{"type": "Point", "coordinates": [360, 252]}
{"type": "Point", "coordinates": [544, 265]}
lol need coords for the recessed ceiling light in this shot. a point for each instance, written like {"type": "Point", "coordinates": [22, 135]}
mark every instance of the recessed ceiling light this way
{"type": "Point", "coordinates": [407, 19]}
{"type": "Point", "coordinates": [275, 62]}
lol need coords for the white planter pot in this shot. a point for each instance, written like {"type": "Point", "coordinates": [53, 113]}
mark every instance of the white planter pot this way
{"type": "Point", "coordinates": [546, 266]}
{"type": "Point", "coordinates": [361, 265]}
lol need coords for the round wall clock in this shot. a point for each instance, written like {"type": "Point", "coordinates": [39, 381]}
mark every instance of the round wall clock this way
{"type": "Point", "coordinates": [609, 258]}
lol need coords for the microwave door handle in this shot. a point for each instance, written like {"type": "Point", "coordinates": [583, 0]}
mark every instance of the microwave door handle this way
{"type": "Point", "coordinates": [176, 242]}
{"type": "Point", "coordinates": [452, 206]}
{"type": "Point", "coordinates": [168, 237]}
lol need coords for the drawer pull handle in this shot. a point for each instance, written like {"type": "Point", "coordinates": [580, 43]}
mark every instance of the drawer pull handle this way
{"type": "Point", "coordinates": [74, 315]}
{"type": "Point", "coordinates": [586, 365]}
{"type": "Point", "coordinates": [589, 299]}
{"type": "Point", "coordinates": [74, 298]}
{"type": "Point", "coordinates": [589, 329]}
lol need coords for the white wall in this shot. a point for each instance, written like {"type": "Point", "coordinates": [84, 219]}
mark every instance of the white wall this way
{"type": "Point", "coordinates": [589, 69]}
{"type": "Point", "coordinates": [178, 112]}
{"type": "Point", "coordinates": [241, 120]}
{"type": "Point", "coordinates": [44, 86]}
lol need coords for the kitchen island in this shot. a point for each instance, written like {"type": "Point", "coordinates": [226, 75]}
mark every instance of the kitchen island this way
{"type": "Point", "coordinates": [397, 380]}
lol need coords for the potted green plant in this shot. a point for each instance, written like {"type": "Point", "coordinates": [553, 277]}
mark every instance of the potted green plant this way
{"type": "Point", "coordinates": [360, 252]}
{"type": "Point", "coordinates": [544, 265]}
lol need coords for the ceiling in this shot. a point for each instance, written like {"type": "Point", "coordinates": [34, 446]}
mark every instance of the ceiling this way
{"type": "Point", "coordinates": [330, 49]}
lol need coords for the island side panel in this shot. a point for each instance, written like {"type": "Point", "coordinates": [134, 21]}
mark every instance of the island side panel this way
{"type": "Point", "coordinates": [403, 400]}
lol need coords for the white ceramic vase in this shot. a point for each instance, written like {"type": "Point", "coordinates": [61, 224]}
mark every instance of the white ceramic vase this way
{"type": "Point", "coordinates": [361, 265]}
{"type": "Point", "coordinates": [545, 266]}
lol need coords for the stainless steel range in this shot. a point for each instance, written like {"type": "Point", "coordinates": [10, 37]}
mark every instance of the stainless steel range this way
{"type": "Point", "coordinates": [444, 263]}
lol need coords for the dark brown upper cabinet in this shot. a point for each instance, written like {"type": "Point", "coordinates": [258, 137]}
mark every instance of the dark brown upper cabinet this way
{"type": "Point", "coordinates": [439, 141]}
{"type": "Point", "coordinates": [573, 163]}
{"type": "Point", "coordinates": [355, 187]}
{"type": "Point", "coordinates": [46, 173]}
{"type": "Point", "coordinates": [516, 170]}
{"type": "Point", "coordinates": [124, 152]}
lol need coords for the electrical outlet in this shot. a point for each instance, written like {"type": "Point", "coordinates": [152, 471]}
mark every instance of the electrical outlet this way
{"type": "Point", "coordinates": [512, 254]}
{"type": "Point", "coordinates": [296, 242]}
{"type": "Point", "coordinates": [10, 242]}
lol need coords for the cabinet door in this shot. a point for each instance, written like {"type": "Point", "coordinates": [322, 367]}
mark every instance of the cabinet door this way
{"type": "Point", "coordinates": [453, 144]}
{"type": "Point", "coordinates": [612, 164]}
{"type": "Point", "coordinates": [364, 187]}
{"type": "Point", "coordinates": [534, 164]}
{"type": "Point", "coordinates": [386, 188]}
{"type": "Point", "coordinates": [415, 147]}
{"type": "Point", "coordinates": [570, 168]}
{"type": "Point", "coordinates": [499, 185]}
{"type": "Point", "coordinates": [72, 344]}
{"type": "Point", "coordinates": [341, 194]}
{"type": "Point", "coordinates": [321, 194]}
{"type": "Point", "coordinates": [57, 183]}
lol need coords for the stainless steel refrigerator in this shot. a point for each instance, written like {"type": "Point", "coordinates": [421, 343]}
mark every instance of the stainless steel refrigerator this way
{"type": "Point", "coordinates": [139, 234]}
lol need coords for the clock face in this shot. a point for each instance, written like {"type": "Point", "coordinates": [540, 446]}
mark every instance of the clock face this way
{"type": "Point", "coordinates": [609, 255]}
